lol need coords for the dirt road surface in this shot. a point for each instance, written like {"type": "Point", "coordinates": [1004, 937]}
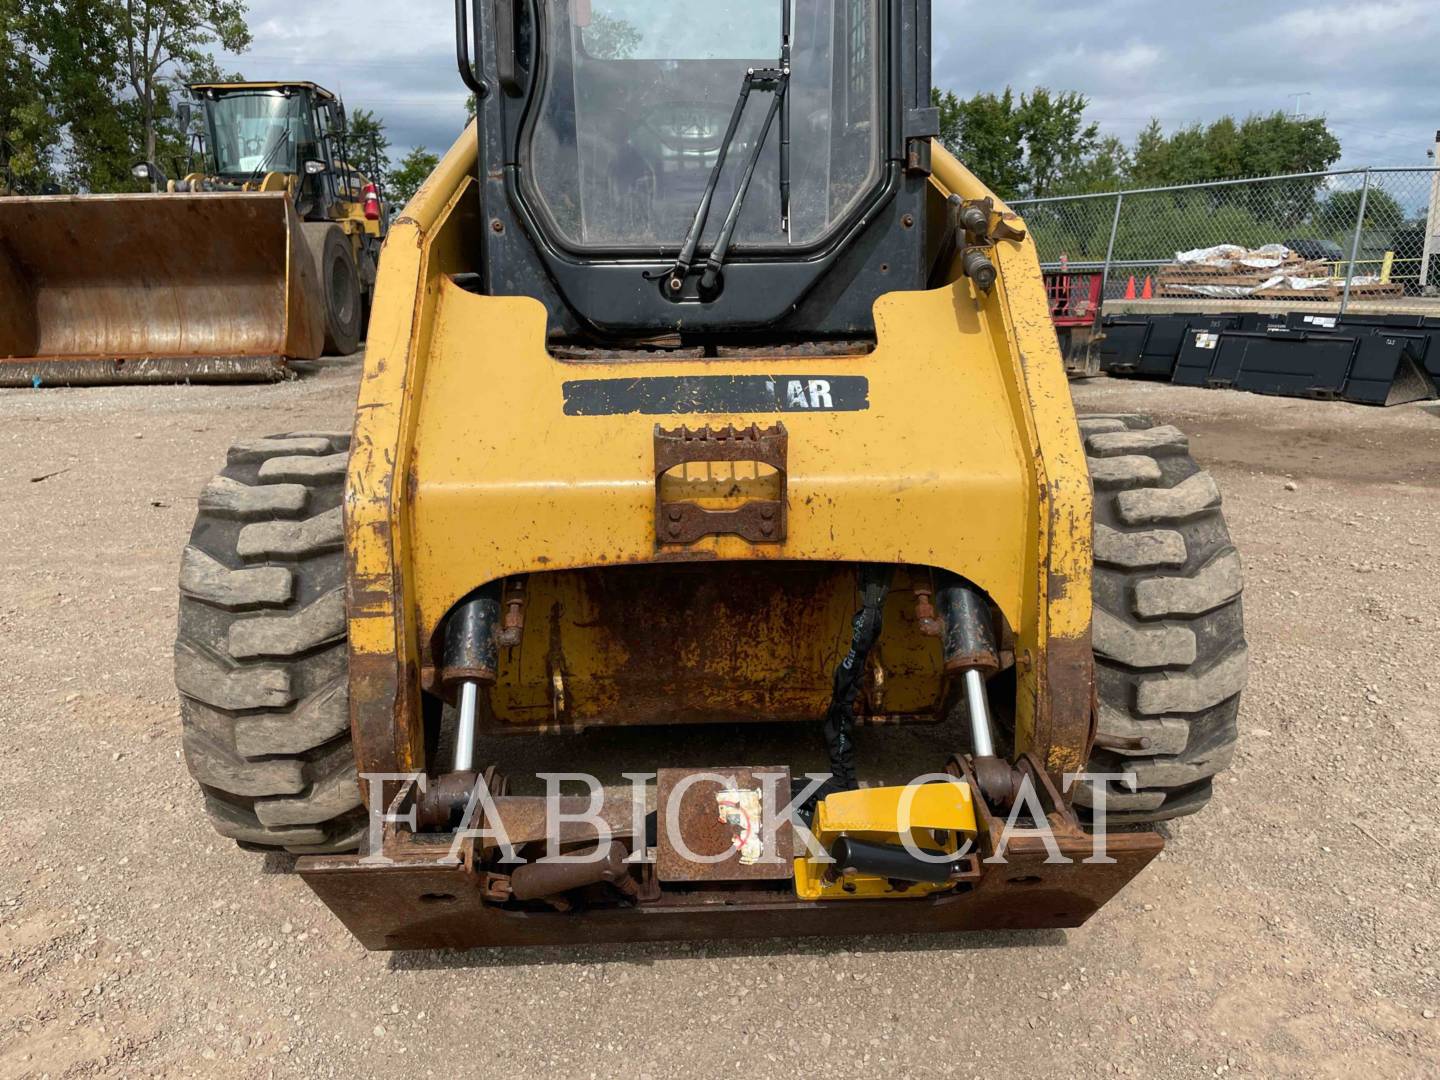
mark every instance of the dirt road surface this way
{"type": "Point", "coordinates": [1291, 931]}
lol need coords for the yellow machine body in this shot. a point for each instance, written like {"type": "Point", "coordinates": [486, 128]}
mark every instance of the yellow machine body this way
{"type": "Point", "coordinates": [937, 817]}
{"type": "Point", "coordinates": [467, 470]}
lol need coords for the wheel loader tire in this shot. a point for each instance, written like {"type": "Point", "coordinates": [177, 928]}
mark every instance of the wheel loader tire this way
{"type": "Point", "coordinates": [1169, 636]}
{"type": "Point", "coordinates": [340, 284]}
{"type": "Point", "coordinates": [260, 657]}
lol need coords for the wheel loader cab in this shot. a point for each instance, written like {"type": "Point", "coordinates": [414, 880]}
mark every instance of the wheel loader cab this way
{"type": "Point", "coordinates": [736, 167]}
{"type": "Point", "coordinates": [254, 131]}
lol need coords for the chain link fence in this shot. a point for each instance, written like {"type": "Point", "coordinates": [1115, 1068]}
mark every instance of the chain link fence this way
{"type": "Point", "coordinates": [1336, 237]}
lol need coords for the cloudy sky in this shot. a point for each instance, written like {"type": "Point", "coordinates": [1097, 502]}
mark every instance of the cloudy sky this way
{"type": "Point", "coordinates": [1371, 67]}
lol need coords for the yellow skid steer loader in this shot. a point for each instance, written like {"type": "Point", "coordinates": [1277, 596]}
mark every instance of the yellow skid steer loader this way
{"type": "Point", "coordinates": [716, 552]}
{"type": "Point", "coordinates": [225, 275]}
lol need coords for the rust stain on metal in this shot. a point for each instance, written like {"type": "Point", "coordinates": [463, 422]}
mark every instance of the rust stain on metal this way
{"type": "Point", "coordinates": [417, 902]}
{"type": "Point", "coordinates": [97, 371]}
{"type": "Point", "coordinates": [200, 276]}
{"type": "Point", "coordinates": [738, 643]}
{"type": "Point", "coordinates": [715, 824]}
{"type": "Point", "coordinates": [1068, 672]}
{"type": "Point", "coordinates": [758, 520]}
{"type": "Point", "coordinates": [548, 881]}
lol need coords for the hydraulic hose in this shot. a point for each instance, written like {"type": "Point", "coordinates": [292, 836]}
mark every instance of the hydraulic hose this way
{"type": "Point", "coordinates": [850, 678]}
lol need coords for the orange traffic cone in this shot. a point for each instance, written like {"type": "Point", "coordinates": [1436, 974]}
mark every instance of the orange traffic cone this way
{"type": "Point", "coordinates": [1130, 289]}
{"type": "Point", "coordinates": [1149, 291]}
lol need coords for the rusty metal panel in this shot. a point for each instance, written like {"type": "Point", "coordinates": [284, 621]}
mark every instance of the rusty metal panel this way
{"type": "Point", "coordinates": [173, 369]}
{"type": "Point", "coordinates": [759, 518]}
{"type": "Point", "coordinates": [527, 819]}
{"type": "Point", "coordinates": [723, 824]}
{"type": "Point", "coordinates": [149, 277]}
{"type": "Point", "coordinates": [419, 904]}
{"type": "Point", "coordinates": [713, 643]}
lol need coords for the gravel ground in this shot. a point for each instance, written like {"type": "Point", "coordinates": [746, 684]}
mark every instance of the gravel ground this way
{"type": "Point", "coordinates": [1288, 932]}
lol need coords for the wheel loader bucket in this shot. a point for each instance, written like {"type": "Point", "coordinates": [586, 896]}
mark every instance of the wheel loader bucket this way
{"type": "Point", "coordinates": [98, 290]}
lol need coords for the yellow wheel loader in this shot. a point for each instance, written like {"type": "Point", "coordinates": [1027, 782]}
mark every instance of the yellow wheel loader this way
{"type": "Point", "coordinates": [267, 255]}
{"type": "Point", "coordinates": [717, 552]}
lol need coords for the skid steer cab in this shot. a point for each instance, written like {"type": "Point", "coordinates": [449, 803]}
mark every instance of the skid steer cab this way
{"type": "Point", "coordinates": [264, 253]}
{"type": "Point", "coordinates": [715, 479]}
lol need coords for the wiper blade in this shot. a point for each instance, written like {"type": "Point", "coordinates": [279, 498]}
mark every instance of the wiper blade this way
{"type": "Point", "coordinates": [786, 45]}
{"type": "Point", "coordinates": [283, 139]}
{"type": "Point", "coordinates": [716, 262]}
{"type": "Point", "coordinates": [765, 80]}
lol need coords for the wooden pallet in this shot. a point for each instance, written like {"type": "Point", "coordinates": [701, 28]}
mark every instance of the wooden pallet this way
{"type": "Point", "coordinates": [1333, 292]}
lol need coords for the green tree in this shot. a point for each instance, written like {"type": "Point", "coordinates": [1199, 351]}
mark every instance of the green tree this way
{"type": "Point", "coordinates": [29, 132]}
{"type": "Point", "coordinates": [1034, 144]}
{"type": "Point", "coordinates": [413, 170]}
{"type": "Point", "coordinates": [368, 145]}
{"type": "Point", "coordinates": [1058, 141]}
{"type": "Point", "coordinates": [84, 83]}
{"type": "Point", "coordinates": [1227, 150]}
{"type": "Point", "coordinates": [116, 73]}
{"type": "Point", "coordinates": [161, 44]}
{"type": "Point", "coordinates": [951, 121]}
{"type": "Point", "coordinates": [609, 37]}
{"type": "Point", "coordinates": [1107, 168]}
{"type": "Point", "coordinates": [987, 137]}
{"type": "Point", "coordinates": [1337, 214]}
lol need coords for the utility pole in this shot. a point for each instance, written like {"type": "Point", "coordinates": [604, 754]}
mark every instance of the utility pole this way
{"type": "Point", "coordinates": [1432, 220]}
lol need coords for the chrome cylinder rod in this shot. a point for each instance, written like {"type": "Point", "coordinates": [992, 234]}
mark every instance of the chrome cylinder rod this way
{"type": "Point", "coordinates": [979, 714]}
{"type": "Point", "coordinates": [465, 730]}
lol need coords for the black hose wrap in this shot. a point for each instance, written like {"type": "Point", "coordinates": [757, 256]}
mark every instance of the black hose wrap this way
{"type": "Point", "coordinates": [850, 679]}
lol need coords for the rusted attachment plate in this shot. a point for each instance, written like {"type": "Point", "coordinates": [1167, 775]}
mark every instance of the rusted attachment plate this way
{"type": "Point", "coordinates": [700, 644]}
{"type": "Point", "coordinates": [721, 465]}
{"type": "Point", "coordinates": [217, 370]}
{"type": "Point", "coordinates": [529, 819]}
{"type": "Point", "coordinates": [416, 899]}
{"type": "Point", "coordinates": [421, 904]}
{"type": "Point", "coordinates": [712, 825]}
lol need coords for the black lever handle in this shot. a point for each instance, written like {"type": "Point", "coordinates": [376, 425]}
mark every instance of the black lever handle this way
{"type": "Point", "coordinates": [462, 51]}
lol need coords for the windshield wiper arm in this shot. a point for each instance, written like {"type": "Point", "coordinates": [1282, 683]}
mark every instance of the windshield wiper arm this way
{"type": "Point", "coordinates": [716, 262]}
{"type": "Point", "coordinates": [786, 45]}
{"type": "Point", "coordinates": [282, 139]}
{"type": "Point", "coordinates": [765, 80]}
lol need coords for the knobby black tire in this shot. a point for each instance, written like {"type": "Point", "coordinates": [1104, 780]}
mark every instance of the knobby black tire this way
{"type": "Point", "coordinates": [340, 286]}
{"type": "Point", "coordinates": [1169, 631]}
{"type": "Point", "coordinates": [260, 657]}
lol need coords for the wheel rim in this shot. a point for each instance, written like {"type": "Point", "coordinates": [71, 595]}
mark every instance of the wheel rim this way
{"type": "Point", "coordinates": [342, 290]}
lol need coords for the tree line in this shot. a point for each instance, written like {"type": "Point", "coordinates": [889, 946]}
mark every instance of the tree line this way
{"type": "Point", "coordinates": [88, 90]}
{"type": "Point", "coordinates": [1042, 144]}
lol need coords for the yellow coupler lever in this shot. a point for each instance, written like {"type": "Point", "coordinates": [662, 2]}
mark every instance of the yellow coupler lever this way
{"type": "Point", "coordinates": [940, 818]}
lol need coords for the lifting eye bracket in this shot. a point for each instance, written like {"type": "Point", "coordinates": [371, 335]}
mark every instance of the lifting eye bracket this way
{"type": "Point", "coordinates": [759, 521]}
